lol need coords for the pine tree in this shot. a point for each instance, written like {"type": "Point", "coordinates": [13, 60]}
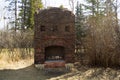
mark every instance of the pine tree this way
{"type": "Point", "coordinates": [79, 21]}
{"type": "Point", "coordinates": [27, 12]}
{"type": "Point", "coordinates": [95, 7]}
{"type": "Point", "coordinates": [12, 10]}
{"type": "Point", "coordinates": [34, 6]}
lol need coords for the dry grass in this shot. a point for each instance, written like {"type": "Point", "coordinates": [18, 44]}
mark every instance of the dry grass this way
{"type": "Point", "coordinates": [10, 66]}
{"type": "Point", "coordinates": [17, 53]}
{"type": "Point", "coordinates": [15, 57]}
{"type": "Point", "coordinates": [86, 73]}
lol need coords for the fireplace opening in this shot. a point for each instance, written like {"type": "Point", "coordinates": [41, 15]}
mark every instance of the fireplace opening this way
{"type": "Point", "coordinates": [54, 53]}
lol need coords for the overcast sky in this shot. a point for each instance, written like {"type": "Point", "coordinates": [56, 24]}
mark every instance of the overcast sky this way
{"type": "Point", "coordinates": [57, 3]}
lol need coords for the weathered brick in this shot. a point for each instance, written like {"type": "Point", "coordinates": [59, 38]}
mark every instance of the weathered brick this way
{"type": "Point", "coordinates": [55, 32]}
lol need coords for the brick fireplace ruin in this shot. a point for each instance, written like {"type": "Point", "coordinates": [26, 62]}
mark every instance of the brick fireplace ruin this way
{"type": "Point", "coordinates": [54, 38]}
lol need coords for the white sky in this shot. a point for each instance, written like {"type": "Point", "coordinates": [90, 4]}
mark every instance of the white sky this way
{"type": "Point", "coordinates": [1, 13]}
{"type": "Point", "coordinates": [57, 3]}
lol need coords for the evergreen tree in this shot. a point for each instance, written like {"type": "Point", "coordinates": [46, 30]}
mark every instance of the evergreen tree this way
{"type": "Point", "coordinates": [22, 13]}
{"type": "Point", "coordinates": [79, 19]}
{"type": "Point", "coordinates": [95, 7]}
{"type": "Point", "coordinates": [34, 6]}
{"type": "Point", "coordinates": [27, 12]}
{"type": "Point", "coordinates": [12, 11]}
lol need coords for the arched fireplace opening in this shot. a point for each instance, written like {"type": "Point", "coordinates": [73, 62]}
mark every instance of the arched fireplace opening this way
{"type": "Point", "coordinates": [54, 53]}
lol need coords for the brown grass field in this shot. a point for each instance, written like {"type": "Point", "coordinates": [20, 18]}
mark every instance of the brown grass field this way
{"type": "Point", "coordinates": [16, 68]}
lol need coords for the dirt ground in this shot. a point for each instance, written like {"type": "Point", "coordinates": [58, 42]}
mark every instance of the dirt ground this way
{"type": "Point", "coordinates": [25, 70]}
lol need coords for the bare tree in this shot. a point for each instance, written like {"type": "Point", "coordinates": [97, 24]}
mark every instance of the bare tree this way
{"type": "Point", "coordinates": [72, 4]}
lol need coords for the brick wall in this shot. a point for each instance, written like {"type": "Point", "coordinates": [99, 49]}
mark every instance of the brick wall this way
{"type": "Point", "coordinates": [54, 27]}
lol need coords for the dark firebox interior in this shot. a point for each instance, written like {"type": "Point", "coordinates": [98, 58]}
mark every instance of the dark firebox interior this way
{"type": "Point", "coordinates": [54, 53]}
